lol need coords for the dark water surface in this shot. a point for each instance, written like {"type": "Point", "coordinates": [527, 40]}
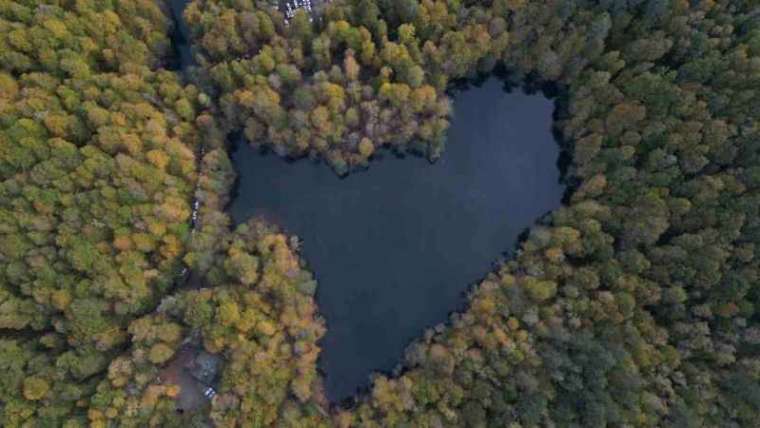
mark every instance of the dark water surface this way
{"type": "Point", "coordinates": [180, 37]}
{"type": "Point", "coordinates": [395, 247]}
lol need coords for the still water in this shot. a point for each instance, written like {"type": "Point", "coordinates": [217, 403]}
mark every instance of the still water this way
{"type": "Point", "coordinates": [395, 247]}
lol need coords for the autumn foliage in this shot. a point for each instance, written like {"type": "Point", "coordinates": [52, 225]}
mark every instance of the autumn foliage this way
{"type": "Point", "coordinates": [634, 304]}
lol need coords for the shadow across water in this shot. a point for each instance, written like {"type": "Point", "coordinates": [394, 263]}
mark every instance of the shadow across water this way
{"type": "Point", "coordinates": [395, 247]}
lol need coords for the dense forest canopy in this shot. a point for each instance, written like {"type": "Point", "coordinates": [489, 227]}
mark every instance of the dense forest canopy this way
{"type": "Point", "coordinates": [635, 304]}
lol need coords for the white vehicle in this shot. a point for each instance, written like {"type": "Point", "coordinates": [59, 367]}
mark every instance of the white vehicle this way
{"type": "Point", "coordinates": [209, 393]}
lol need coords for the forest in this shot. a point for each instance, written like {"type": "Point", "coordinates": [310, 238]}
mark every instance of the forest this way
{"type": "Point", "coordinates": [634, 304]}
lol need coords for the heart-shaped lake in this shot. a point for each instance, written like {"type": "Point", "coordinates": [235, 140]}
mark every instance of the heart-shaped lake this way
{"type": "Point", "coordinates": [395, 247]}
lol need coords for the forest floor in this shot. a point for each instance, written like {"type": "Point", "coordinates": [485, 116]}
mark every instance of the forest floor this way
{"type": "Point", "coordinates": [191, 396]}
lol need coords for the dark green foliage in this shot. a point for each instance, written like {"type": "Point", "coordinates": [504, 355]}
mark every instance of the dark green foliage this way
{"type": "Point", "coordinates": [97, 171]}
